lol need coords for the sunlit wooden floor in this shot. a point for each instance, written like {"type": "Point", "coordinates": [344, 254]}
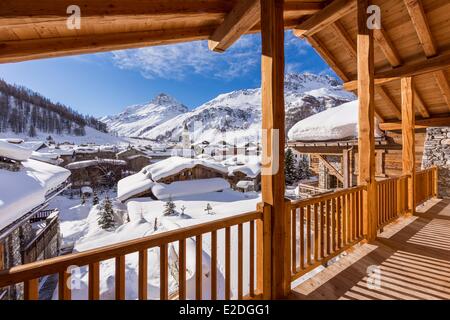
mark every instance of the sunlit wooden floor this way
{"type": "Point", "coordinates": [409, 260]}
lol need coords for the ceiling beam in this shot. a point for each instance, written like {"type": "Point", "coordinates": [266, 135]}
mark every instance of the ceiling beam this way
{"type": "Point", "coordinates": [433, 64]}
{"type": "Point", "coordinates": [420, 105]}
{"type": "Point", "coordinates": [384, 42]}
{"type": "Point", "coordinates": [441, 80]}
{"type": "Point", "coordinates": [344, 38]}
{"type": "Point", "coordinates": [420, 123]}
{"type": "Point", "coordinates": [331, 13]}
{"type": "Point", "coordinates": [244, 15]}
{"type": "Point", "coordinates": [387, 98]}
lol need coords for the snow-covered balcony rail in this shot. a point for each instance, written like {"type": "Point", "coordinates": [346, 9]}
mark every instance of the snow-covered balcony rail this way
{"type": "Point", "coordinates": [323, 227]}
{"type": "Point", "coordinates": [244, 271]}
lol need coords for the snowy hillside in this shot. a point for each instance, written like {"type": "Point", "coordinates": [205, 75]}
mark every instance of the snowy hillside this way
{"type": "Point", "coordinates": [136, 120]}
{"type": "Point", "coordinates": [238, 113]}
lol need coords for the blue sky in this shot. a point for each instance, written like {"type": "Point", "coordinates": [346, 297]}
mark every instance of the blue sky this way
{"type": "Point", "coordinates": [105, 83]}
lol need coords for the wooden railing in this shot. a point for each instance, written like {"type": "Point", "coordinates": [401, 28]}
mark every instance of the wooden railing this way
{"type": "Point", "coordinates": [323, 227]}
{"type": "Point", "coordinates": [232, 229]}
{"type": "Point", "coordinates": [39, 246]}
{"type": "Point", "coordinates": [392, 195]}
{"type": "Point", "coordinates": [42, 215]}
{"type": "Point", "coordinates": [426, 185]}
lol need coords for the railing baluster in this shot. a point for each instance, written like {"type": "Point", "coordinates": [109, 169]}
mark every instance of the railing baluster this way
{"type": "Point", "coordinates": [182, 269]}
{"type": "Point", "coordinates": [94, 281]}
{"type": "Point", "coordinates": [64, 292]}
{"type": "Point", "coordinates": [329, 244]}
{"type": "Point", "coordinates": [198, 267]}
{"type": "Point", "coordinates": [252, 259]}
{"type": "Point", "coordinates": [227, 263]}
{"type": "Point", "coordinates": [302, 237]}
{"type": "Point", "coordinates": [240, 260]}
{"type": "Point", "coordinates": [344, 219]}
{"type": "Point", "coordinates": [339, 221]}
{"type": "Point", "coordinates": [322, 229]}
{"type": "Point", "coordinates": [143, 270]}
{"type": "Point", "coordinates": [335, 224]}
{"type": "Point", "coordinates": [308, 235]}
{"type": "Point", "coordinates": [163, 272]}
{"type": "Point", "coordinates": [120, 278]}
{"type": "Point", "coordinates": [214, 265]}
{"type": "Point", "coordinates": [31, 289]}
{"type": "Point", "coordinates": [316, 232]}
{"type": "Point", "coordinates": [294, 239]}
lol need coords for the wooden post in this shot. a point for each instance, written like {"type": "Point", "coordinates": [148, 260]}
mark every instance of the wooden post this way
{"type": "Point", "coordinates": [366, 139]}
{"type": "Point", "coordinates": [264, 253]}
{"type": "Point", "coordinates": [408, 139]}
{"type": "Point", "coordinates": [273, 180]}
{"type": "Point", "coordinates": [346, 171]}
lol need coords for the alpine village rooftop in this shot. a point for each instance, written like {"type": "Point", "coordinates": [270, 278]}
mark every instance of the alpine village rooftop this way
{"type": "Point", "coordinates": [399, 71]}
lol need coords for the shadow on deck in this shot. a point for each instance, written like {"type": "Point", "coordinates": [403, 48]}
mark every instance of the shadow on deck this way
{"type": "Point", "coordinates": [412, 257]}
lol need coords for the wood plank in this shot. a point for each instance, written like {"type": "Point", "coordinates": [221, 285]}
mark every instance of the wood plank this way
{"type": "Point", "coordinates": [408, 139]}
{"type": "Point", "coordinates": [182, 269]}
{"type": "Point", "coordinates": [227, 263]}
{"type": "Point", "coordinates": [419, 123]}
{"type": "Point", "coordinates": [419, 20]}
{"type": "Point", "coordinates": [94, 281]}
{"type": "Point", "coordinates": [163, 272]}
{"type": "Point", "coordinates": [252, 258]}
{"type": "Point", "coordinates": [198, 267]}
{"type": "Point", "coordinates": [442, 82]}
{"type": "Point", "coordinates": [264, 252]}
{"type": "Point", "coordinates": [143, 275]}
{"type": "Point", "coordinates": [330, 167]}
{"type": "Point", "coordinates": [64, 292]}
{"type": "Point", "coordinates": [387, 46]}
{"type": "Point", "coordinates": [240, 261]}
{"type": "Point", "coordinates": [273, 114]}
{"type": "Point", "coordinates": [302, 237]}
{"type": "Point", "coordinates": [214, 265]}
{"type": "Point", "coordinates": [120, 278]}
{"type": "Point", "coordinates": [344, 38]}
{"type": "Point", "coordinates": [31, 289]}
{"type": "Point", "coordinates": [328, 15]}
{"type": "Point", "coordinates": [420, 105]}
{"type": "Point", "coordinates": [242, 18]}
{"type": "Point", "coordinates": [366, 139]}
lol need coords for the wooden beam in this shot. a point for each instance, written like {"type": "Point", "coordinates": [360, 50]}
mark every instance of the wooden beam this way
{"type": "Point", "coordinates": [384, 42]}
{"type": "Point", "coordinates": [408, 138]}
{"type": "Point", "coordinates": [420, 105]}
{"type": "Point", "coordinates": [433, 64]}
{"type": "Point", "coordinates": [331, 168]}
{"type": "Point", "coordinates": [273, 114]}
{"type": "Point", "coordinates": [331, 13]}
{"type": "Point", "coordinates": [242, 18]}
{"type": "Point", "coordinates": [344, 38]}
{"type": "Point", "coordinates": [419, 123]}
{"type": "Point", "coordinates": [327, 56]}
{"type": "Point", "coordinates": [302, 8]}
{"type": "Point", "coordinates": [443, 85]}
{"type": "Point", "coordinates": [346, 167]}
{"type": "Point", "coordinates": [366, 137]}
{"type": "Point", "coordinates": [389, 101]}
{"type": "Point", "coordinates": [419, 20]}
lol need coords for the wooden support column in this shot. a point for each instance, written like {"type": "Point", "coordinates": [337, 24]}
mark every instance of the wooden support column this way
{"type": "Point", "coordinates": [408, 141]}
{"type": "Point", "coordinates": [366, 139]}
{"type": "Point", "coordinates": [346, 170]}
{"type": "Point", "coordinates": [273, 180]}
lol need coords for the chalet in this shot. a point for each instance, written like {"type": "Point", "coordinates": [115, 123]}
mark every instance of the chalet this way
{"type": "Point", "coordinates": [403, 84]}
{"type": "Point", "coordinates": [29, 231]}
{"type": "Point", "coordinates": [136, 159]}
{"type": "Point", "coordinates": [90, 152]}
{"type": "Point", "coordinates": [242, 170]}
{"type": "Point", "coordinates": [168, 171]}
{"type": "Point", "coordinates": [96, 172]}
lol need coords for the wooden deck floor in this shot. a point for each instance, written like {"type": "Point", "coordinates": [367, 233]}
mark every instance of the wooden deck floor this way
{"type": "Point", "coordinates": [411, 256]}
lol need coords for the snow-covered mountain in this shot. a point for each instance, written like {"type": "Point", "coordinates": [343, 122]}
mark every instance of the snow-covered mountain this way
{"type": "Point", "coordinates": [137, 120]}
{"type": "Point", "coordinates": [233, 116]}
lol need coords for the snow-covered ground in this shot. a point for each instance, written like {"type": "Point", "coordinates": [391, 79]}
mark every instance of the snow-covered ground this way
{"type": "Point", "coordinates": [136, 219]}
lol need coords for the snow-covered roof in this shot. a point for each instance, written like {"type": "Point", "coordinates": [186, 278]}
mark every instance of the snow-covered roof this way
{"type": "Point", "coordinates": [248, 165]}
{"type": "Point", "coordinates": [33, 145]}
{"type": "Point", "coordinates": [52, 158]}
{"type": "Point", "coordinates": [86, 189]}
{"type": "Point", "coordinates": [133, 185]}
{"type": "Point", "coordinates": [95, 162]}
{"type": "Point", "coordinates": [244, 184]}
{"type": "Point", "coordinates": [13, 151]}
{"type": "Point", "coordinates": [173, 165]}
{"type": "Point", "coordinates": [189, 187]}
{"type": "Point", "coordinates": [23, 190]}
{"type": "Point", "coordinates": [338, 123]}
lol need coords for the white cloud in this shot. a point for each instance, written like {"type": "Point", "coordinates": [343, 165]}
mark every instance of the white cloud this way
{"type": "Point", "coordinates": [179, 60]}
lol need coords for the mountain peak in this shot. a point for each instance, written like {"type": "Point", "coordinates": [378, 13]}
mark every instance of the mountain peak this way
{"type": "Point", "coordinates": [164, 99]}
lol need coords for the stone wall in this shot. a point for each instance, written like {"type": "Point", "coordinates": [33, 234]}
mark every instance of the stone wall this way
{"type": "Point", "coordinates": [437, 153]}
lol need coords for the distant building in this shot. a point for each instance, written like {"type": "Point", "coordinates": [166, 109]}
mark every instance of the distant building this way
{"type": "Point", "coordinates": [136, 159]}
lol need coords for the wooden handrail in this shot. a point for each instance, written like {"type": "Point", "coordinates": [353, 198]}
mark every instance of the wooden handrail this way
{"type": "Point", "coordinates": [319, 198]}
{"type": "Point", "coordinates": [58, 264]}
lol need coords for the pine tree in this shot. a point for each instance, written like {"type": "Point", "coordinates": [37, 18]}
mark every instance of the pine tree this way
{"type": "Point", "coordinates": [95, 198]}
{"type": "Point", "coordinates": [169, 207]}
{"type": "Point", "coordinates": [289, 167]}
{"type": "Point", "coordinates": [106, 219]}
{"type": "Point", "coordinates": [303, 170]}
